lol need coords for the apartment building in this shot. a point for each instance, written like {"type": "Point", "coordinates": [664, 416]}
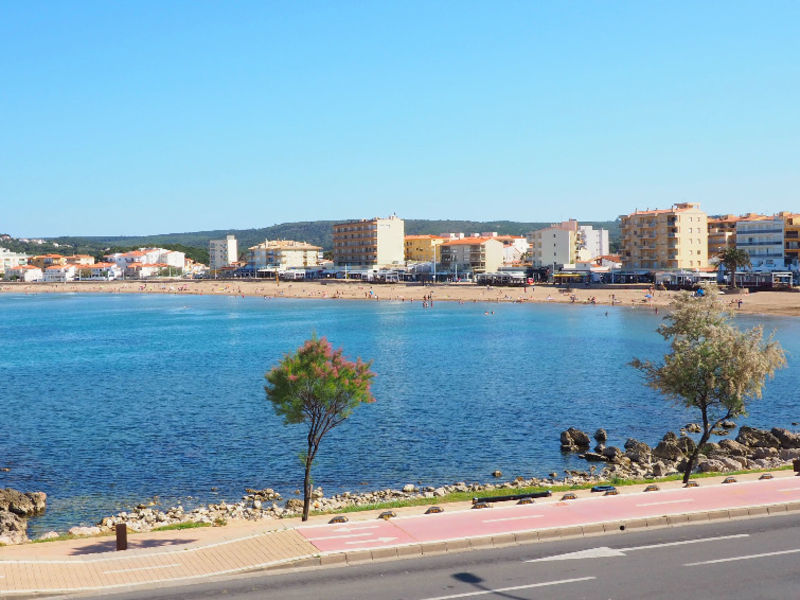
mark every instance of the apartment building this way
{"type": "Point", "coordinates": [472, 255]}
{"type": "Point", "coordinates": [9, 259]}
{"type": "Point", "coordinates": [423, 248]}
{"type": "Point", "coordinates": [80, 259]}
{"type": "Point", "coordinates": [282, 254]}
{"type": "Point", "coordinates": [591, 243]}
{"type": "Point", "coordinates": [762, 238]}
{"type": "Point", "coordinates": [369, 243]}
{"type": "Point", "coordinates": [222, 253]}
{"type": "Point", "coordinates": [791, 239]}
{"type": "Point", "coordinates": [555, 245]}
{"type": "Point", "coordinates": [24, 273]}
{"type": "Point", "coordinates": [674, 238]}
{"type": "Point", "coordinates": [47, 260]}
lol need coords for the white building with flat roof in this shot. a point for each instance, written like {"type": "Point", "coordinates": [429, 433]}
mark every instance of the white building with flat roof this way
{"type": "Point", "coordinates": [762, 239]}
{"type": "Point", "coordinates": [591, 242]}
{"type": "Point", "coordinates": [369, 242]}
{"type": "Point", "coordinates": [222, 253]}
{"type": "Point", "coordinates": [11, 259]}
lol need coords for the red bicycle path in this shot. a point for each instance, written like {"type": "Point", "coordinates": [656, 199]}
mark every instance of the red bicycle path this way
{"type": "Point", "coordinates": [550, 513]}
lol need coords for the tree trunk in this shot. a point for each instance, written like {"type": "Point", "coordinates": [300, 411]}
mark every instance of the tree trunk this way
{"type": "Point", "coordinates": [693, 458]}
{"type": "Point", "coordinates": [307, 484]}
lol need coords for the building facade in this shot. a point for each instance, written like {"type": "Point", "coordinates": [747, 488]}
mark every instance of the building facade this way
{"type": "Point", "coordinates": [472, 255]}
{"type": "Point", "coordinates": [283, 254]}
{"type": "Point", "coordinates": [24, 273]}
{"type": "Point", "coordinates": [591, 243]}
{"type": "Point", "coordinates": [553, 245]}
{"type": "Point", "coordinates": [762, 239]}
{"type": "Point", "coordinates": [791, 239]}
{"type": "Point", "coordinates": [675, 238]}
{"type": "Point", "coordinates": [369, 243]}
{"type": "Point", "coordinates": [9, 259]}
{"type": "Point", "coordinates": [222, 253]}
{"type": "Point", "coordinates": [423, 248]}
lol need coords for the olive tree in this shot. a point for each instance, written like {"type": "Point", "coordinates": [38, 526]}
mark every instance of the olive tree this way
{"type": "Point", "coordinates": [713, 366]}
{"type": "Point", "coordinates": [317, 386]}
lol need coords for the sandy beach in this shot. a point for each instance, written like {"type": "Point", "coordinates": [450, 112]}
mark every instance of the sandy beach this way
{"type": "Point", "coordinates": [634, 296]}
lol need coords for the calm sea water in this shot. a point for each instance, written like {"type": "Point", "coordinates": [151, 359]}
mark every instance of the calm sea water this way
{"type": "Point", "coordinates": [109, 400]}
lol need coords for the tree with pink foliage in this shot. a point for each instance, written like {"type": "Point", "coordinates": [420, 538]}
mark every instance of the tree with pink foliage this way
{"type": "Point", "coordinates": [316, 385]}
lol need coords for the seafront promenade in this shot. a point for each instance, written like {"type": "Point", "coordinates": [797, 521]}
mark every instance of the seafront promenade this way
{"type": "Point", "coordinates": [90, 565]}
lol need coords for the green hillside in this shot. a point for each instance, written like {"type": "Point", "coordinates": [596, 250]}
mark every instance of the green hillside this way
{"type": "Point", "coordinates": [314, 232]}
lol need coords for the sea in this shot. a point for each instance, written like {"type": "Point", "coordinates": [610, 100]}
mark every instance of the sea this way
{"type": "Point", "coordinates": [108, 401]}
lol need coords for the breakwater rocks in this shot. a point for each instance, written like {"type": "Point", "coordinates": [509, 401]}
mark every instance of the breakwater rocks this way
{"type": "Point", "coordinates": [752, 449]}
{"type": "Point", "coordinates": [267, 504]}
{"type": "Point", "coordinates": [15, 508]}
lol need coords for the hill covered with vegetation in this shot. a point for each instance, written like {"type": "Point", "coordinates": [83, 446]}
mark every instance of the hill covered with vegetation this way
{"type": "Point", "coordinates": [320, 233]}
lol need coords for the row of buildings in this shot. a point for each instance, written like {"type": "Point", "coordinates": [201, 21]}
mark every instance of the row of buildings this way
{"type": "Point", "coordinates": [371, 245]}
{"type": "Point", "coordinates": [136, 264]}
{"type": "Point", "coordinates": [685, 237]}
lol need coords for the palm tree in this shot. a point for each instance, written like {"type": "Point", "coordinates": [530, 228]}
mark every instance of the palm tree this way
{"type": "Point", "coordinates": [733, 258]}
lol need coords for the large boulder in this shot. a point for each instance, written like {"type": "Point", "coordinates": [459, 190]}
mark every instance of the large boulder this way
{"type": "Point", "coordinates": [757, 438]}
{"type": "Point", "coordinates": [23, 504]}
{"type": "Point", "coordinates": [733, 448]}
{"type": "Point", "coordinates": [601, 436]}
{"type": "Point", "coordinates": [786, 438]}
{"type": "Point", "coordinates": [574, 439]}
{"type": "Point", "coordinates": [637, 451]}
{"type": "Point", "coordinates": [686, 444]}
{"type": "Point", "coordinates": [693, 428]}
{"type": "Point", "coordinates": [668, 450]}
{"type": "Point", "coordinates": [613, 453]}
{"type": "Point", "coordinates": [13, 528]}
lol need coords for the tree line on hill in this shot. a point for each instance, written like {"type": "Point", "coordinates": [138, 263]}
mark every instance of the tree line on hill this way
{"type": "Point", "coordinates": [319, 233]}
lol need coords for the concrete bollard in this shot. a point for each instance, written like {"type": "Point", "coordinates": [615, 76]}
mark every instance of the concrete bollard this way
{"type": "Point", "coordinates": [796, 465]}
{"type": "Point", "coordinates": [122, 536]}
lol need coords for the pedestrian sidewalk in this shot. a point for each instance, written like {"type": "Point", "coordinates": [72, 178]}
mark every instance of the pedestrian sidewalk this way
{"type": "Point", "coordinates": [89, 565]}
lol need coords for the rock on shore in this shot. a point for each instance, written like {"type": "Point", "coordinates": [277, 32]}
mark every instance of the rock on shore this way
{"type": "Point", "coordinates": [15, 508]}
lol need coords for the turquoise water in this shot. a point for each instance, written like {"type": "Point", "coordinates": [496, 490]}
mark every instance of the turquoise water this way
{"type": "Point", "coordinates": [109, 400]}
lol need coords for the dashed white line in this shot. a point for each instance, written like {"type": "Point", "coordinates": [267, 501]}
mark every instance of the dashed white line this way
{"type": "Point", "coordinates": [745, 557]}
{"type": "Point", "coordinates": [142, 569]}
{"type": "Point", "coordinates": [499, 520]}
{"type": "Point", "coordinates": [666, 502]}
{"type": "Point", "coordinates": [511, 589]}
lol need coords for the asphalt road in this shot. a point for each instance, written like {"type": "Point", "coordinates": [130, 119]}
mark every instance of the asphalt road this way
{"type": "Point", "coordinates": [751, 558]}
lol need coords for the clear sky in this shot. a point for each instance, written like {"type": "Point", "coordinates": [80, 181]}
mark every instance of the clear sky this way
{"type": "Point", "coordinates": [137, 117]}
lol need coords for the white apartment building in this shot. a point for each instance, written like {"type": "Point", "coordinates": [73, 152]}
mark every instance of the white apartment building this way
{"type": "Point", "coordinates": [10, 259]}
{"type": "Point", "coordinates": [472, 255]}
{"type": "Point", "coordinates": [763, 240]}
{"type": "Point", "coordinates": [591, 243]}
{"type": "Point", "coordinates": [283, 254]}
{"type": "Point", "coordinates": [59, 273]}
{"type": "Point", "coordinates": [222, 253]}
{"type": "Point", "coordinates": [553, 245]}
{"type": "Point", "coordinates": [161, 257]}
{"type": "Point", "coordinates": [24, 273]}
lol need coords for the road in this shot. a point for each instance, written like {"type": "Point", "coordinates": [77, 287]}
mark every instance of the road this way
{"type": "Point", "coordinates": [751, 558]}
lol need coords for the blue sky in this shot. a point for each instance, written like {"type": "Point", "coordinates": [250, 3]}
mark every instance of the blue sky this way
{"type": "Point", "coordinates": [136, 117]}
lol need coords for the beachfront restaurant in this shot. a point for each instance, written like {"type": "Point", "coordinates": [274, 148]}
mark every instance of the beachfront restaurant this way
{"type": "Point", "coordinates": [684, 279]}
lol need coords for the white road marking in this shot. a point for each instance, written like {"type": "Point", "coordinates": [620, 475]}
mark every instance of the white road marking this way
{"type": "Point", "coordinates": [338, 537]}
{"type": "Point", "coordinates": [606, 552]}
{"type": "Point", "coordinates": [380, 540]}
{"type": "Point", "coordinates": [511, 589]}
{"type": "Point", "coordinates": [684, 542]}
{"type": "Point", "coordinates": [666, 502]}
{"type": "Point", "coordinates": [745, 557]}
{"type": "Point", "coordinates": [601, 552]}
{"type": "Point", "coordinates": [512, 519]}
{"type": "Point", "coordinates": [795, 489]}
{"type": "Point", "coordinates": [142, 568]}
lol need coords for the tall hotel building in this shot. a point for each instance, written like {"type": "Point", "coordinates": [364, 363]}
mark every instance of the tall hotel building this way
{"type": "Point", "coordinates": [675, 238]}
{"type": "Point", "coordinates": [369, 243]}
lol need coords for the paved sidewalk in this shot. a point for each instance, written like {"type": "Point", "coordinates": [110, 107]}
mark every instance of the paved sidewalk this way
{"type": "Point", "coordinates": [91, 564]}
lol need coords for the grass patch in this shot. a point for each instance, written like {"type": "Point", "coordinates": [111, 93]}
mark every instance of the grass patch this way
{"type": "Point", "coordinates": [61, 538]}
{"type": "Point", "coordinates": [179, 526]}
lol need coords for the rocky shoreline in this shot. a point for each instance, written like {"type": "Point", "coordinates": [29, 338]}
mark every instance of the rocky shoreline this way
{"type": "Point", "coordinates": [751, 449]}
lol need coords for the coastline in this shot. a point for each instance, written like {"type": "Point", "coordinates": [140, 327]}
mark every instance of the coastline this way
{"type": "Point", "coordinates": [632, 296]}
